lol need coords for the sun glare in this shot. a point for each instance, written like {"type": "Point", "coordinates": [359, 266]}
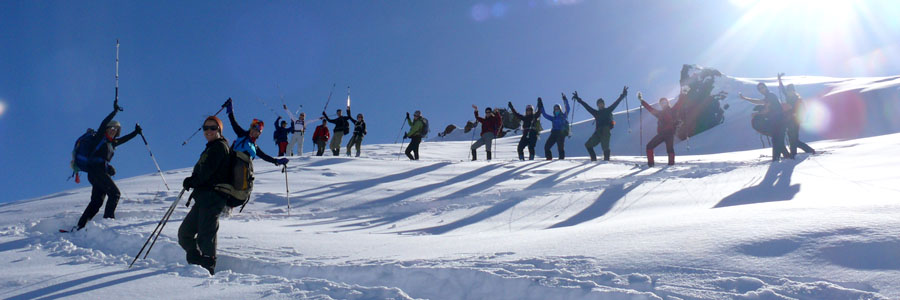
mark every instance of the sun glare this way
{"type": "Point", "coordinates": [2, 108]}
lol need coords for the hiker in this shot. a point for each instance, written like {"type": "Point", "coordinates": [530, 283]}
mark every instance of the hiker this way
{"type": "Point", "coordinates": [281, 135]}
{"type": "Point", "coordinates": [246, 139]}
{"type": "Point", "coordinates": [603, 122]}
{"type": "Point", "coordinates": [666, 118]}
{"type": "Point", "coordinates": [341, 127]}
{"type": "Point", "coordinates": [320, 136]}
{"type": "Point", "coordinates": [531, 124]}
{"type": "Point", "coordinates": [416, 128]}
{"type": "Point", "coordinates": [197, 233]}
{"type": "Point", "coordinates": [775, 116]}
{"type": "Point", "coordinates": [490, 127]}
{"type": "Point", "coordinates": [560, 128]}
{"type": "Point", "coordinates": [298, 131]}
{"type": "Point", "coordinates": [359, 131]}
{"type": "Point", "coordinates": [100, 171]}
{"type": "Point", "coordinates": [792, 119]}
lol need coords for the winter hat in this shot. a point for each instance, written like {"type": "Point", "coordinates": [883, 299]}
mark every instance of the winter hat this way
{"type": "Point", "coordinates": [487, 110]}
{"type": "Point", "coordinates": [258, 124]}
{"type": "Point", "coordinates": [529, 107]}
{"type": "Point", "coordinates": [114, 123]}
{"type": "Point", "coordinates": [216, 119]}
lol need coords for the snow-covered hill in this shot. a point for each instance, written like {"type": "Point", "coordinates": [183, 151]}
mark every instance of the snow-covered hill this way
{"type": "Point", "coordinates": [725, 225]}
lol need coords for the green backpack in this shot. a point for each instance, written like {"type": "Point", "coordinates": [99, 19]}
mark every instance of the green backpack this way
{"type": "Point", "coordinates": [237, 191]}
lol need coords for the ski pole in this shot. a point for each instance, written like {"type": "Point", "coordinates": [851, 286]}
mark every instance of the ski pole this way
{"type": "Point", "coordinates": [641, 120]}
{"type": "Point", "coordinates": [164, 222]}
{"type": "Point", "coordinates": [287, 191]}
{"type": "Point", "coordinates": [627, 114]}
{"type": "Point", "coordinates": [154, 161]}
{"type": "Point", "coordinates": [472, 140]}
{"type": "Point", "coordinates": [158, 225]}
{"type": "Point", "coordinates": [200, 129]}
{"type": "Point", "coordinates": [117, 74]}
{"type": "Point", "coordinates": [348, 97]}
{"type": "Point", "coordinates": [267, 106]}
{"type": "Point", "coordinates": [329, 96]}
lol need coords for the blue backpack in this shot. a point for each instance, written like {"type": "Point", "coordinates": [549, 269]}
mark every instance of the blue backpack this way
{"type": "Point", "coordinates": [83, 152]}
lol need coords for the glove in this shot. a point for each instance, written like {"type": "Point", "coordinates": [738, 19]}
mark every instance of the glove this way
{"type": "Point", "coordinates": [188, 183]}
{"type": "Point", "coordinates": [116, 106]}
{"type": "Point", "coordinates": [575, 96]}
{"type": "Point", "coordinates": [281, 161]}
{"type": "Point", "coordinates": [509, 104]}
{"type": "Point", "coordinates": [564, 97]}
{"type": "Point", "coordinates": [407, 115]}
{"type": "Point", "coordinates": [229, 108]}
{"type": "Point", "coordinates": [138, 129]}
{"type": "Point", "coordinates": [405, 136]}
{"type": "Point", "coordinates": [110, 170]}
{"type": "Point", "coordinates": [324, 114]}
{"type": "Point", "coordinates": [540, 102]}
{"type": "Point", "coordinates": [625, 91]}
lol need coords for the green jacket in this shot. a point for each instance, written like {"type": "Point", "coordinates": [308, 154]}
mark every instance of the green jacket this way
{"type": "Point", "coordinates": [415, 127]}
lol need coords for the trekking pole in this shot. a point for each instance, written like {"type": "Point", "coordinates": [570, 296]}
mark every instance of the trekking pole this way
{"type": "Point", "coordinates": [158, 225]}
{"type": "Point", "coordinates": [329, 96]}
{"type": "Point", "coordinates": [472, 140]}
{"type": "Point", "coordinates": [200, 129]}
{"type": "Point", "coordinates": [154, 161]}
{"type": "Point", "coordinates": [641, 120]}
{"type": "Point", "coordinates": [287, 191]}
{"type": "Point", "coordinates": [627, 114]}
{"type": "Point", "coordinates": [164, 222]}
{"type": "Point", "coordinates": [572, 117]}
{"type": "Point", "coordinates": [267, 106]}
{"type": "Point", "coordinates": [117, 74]}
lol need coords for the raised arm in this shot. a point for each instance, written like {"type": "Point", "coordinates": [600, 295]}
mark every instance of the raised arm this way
{"type": "Point", "coordinates": [621, 96]}
{"type": "Point", "coordinates": [513, 110]}
{"type": "Point", "coordinates": [752, 100]}
{"type": "Point", "coordinates": [125, 138]}
{"type": "Point", "coordinates": [240, 132]}
{"type": "Point", "coordinates": [106, 120]}
{"type": "Point", "coordinates": [265, 156]}
{"type": "Point", "coordinates": [587, 107]}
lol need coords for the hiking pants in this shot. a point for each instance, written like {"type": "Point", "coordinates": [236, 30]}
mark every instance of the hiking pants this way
{"type": "Point", "coordinates": [559, 138]}
{"type": "Point", "coordinates": [355, 140]}
{"type": "Point", "coordinates": [336, 140]}
{"type": "Point", "coordinates": [601, 136]}
{"type": "Point", "coordinates": [669, 139]}
{"type": "Point", "coordinates": [793, 132]}
{"type": "Point", "coordinates": [102, 186]}
{"type": "Point", "coordinates": [321, 147]}
{"type": "Point", "coordinates": [197, 234]}
{"type": "Point", "coordinates": [529, 139]}
{"type": "Point", "coordinates": [413, 148]}
{"type": "Point", "coordinates": [296, 139]}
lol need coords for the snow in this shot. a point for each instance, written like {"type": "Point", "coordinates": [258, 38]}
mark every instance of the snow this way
{"type": "Point", "coordinates": [724, 223]}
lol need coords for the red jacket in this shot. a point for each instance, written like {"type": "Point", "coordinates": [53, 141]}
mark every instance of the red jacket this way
{"type": "Point", "coordinates": [666, 117]}
{"type": "Point", "coordinates": [491, 124]}
{"type": "Point", "coordinates": [321, 132]}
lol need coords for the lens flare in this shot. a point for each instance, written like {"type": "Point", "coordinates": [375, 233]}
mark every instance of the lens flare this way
{"type": "Point", "coordinates": [815, 117]}
{"type": "Point", "coordinates": [480, 12]}
{"type": "Point", "coordinates": [838, 116]}
{"type": "Point", "coordinates": [2, 108]}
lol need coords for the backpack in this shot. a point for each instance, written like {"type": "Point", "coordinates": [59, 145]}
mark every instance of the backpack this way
{"type": "Point", "coordinates": [83, 151]}
{"type": "Point", "coordinates": [536, 125]}
{"type": "Point", "coordinates": [425, 128]}
{"type": "Point", "coordinates": [237, 190]}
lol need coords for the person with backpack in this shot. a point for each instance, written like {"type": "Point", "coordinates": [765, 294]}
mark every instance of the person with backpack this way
{"type": "Point", "coordinates": [341, 127]}
{"type": "Point", "coordinates": [560, 128]}
{"type": "Point", "coordinates": [359, 131]}
{"type": "Point", "coordinates": [417, 130]}
{"type": "Point", "coordinates": [95, 157]}
{"type": "Point", "coordinates": [792, 119]}
{"type": "Point", "coordinates": [603, 122]}
{"type": "Point", "coordinates": [246, 139]}
{"type": "Point", "coordinates": [197, 233]}
{"type": "Point", "coordinates": [666, 118]}
{"type": "Point", "coordinates": [298, 131]}
{"type": "Point", "coordinates": [320, 137]}
{"type": "Point", "coordinates": [281, 135]}
{"type": "Point", "coordinates": [490, 127]}
{"type": "Point", "coordinates": [531, 124]}
{"type": "Point", "coordinates": [774, 113]}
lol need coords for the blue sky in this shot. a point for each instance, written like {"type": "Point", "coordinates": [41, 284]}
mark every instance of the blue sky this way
{"type": "Point", "coordinates": [179, 60]}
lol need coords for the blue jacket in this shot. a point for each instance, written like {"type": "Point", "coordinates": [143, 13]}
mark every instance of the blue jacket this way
{"type": "Point", "coordinates": [559, 122]}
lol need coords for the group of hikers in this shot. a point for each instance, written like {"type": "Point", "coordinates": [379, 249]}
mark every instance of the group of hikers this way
{"type": "Point", "coordinates": [218, 184]}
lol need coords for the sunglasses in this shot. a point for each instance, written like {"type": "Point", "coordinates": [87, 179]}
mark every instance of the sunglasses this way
{"type": "Point", "coordinates": [213, 128]}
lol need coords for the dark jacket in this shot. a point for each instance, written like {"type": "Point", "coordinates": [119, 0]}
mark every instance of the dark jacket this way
{"type": "Point", "coordinates": [105, 152]}
{"type": "Point", "coordinates": [212, 167]}
{"type": "Point", "coordinates": [241, 133]}
{"type": "Point", "coordinates": [602, 117]}
{"type": "Point", "coordinates": [490, 124]}
{"type": "Point", "coordinates": [527, 121]}
{"type": "Point", "coordinates": [342, 123]}
{"type": "Point", "coordinates": [359, 128]}
{"type": "Point", "coordinates": [281, 133]}
{"type": "Point", "coordinates": [665, 118]}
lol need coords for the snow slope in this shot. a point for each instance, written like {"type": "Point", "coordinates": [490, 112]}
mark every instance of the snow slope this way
{"type": "Point", "coordinates": [728, 225]}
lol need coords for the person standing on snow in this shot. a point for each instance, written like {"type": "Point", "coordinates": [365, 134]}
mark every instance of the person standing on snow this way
{"type": "Point", "coordinates": [792, 119]}
{"type": "Point", "coordinates": [298, 131]}
{"type": "Point", "coordinates": [359, 131]}
{"type": "Point", "coordinates": [341, 127]}
{"type": "Point", "coordinates": [530, 132]}
{"type": "Point", "coordinates": [775, 114]}
{"type": "Point", "coordinates": [99, 170]}
{"type": "Point", "coordinates": [666, 117]}
{"type": "Point", "coordinates": [560, 128]}
{"type": "Point", "coordinates": [416, 128]}
{"type": "Point", "coordinates": [490, 128]}
{"type": "Point", "coordinates": [197, 233]}
{"type": "Point", "coordinates": [320, 137]}
{"type": "Point", "coordinates": [603, 120]}
{"type": "Point", "coordinates": [246, 139]}
{"type": "Point", "coordinates": [281, 135]}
